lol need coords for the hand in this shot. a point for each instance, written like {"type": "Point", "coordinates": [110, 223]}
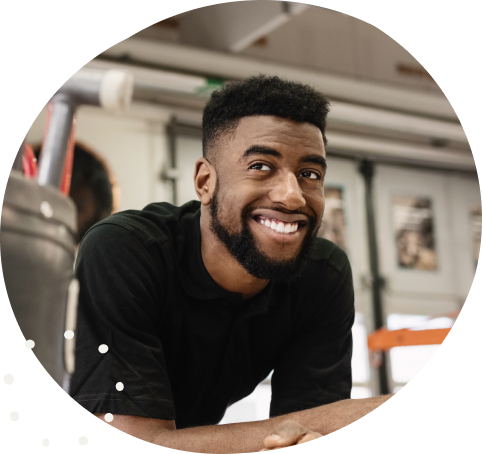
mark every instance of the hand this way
{"type": "Point", "coordinates": [288, 433]}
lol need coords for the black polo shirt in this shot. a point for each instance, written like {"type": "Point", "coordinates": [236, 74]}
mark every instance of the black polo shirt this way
{"type": "Point", "coordinates": [186, 349]}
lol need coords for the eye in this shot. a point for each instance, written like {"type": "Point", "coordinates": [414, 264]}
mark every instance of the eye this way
{"type": "Point", "coordinates": [310, 175]}
{"type": "Point", "coordinates": [260, 166]}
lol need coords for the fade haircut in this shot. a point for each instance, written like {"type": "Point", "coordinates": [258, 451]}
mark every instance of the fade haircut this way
{"type": "Point", "coordinates": [261, 95]}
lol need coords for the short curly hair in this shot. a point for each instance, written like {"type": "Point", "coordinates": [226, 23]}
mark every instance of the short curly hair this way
{"type": "Point", "coordinates": [261, 95]}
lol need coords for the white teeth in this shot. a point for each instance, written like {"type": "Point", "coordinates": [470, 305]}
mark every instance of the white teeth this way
{"type": "Point", "coordinates": [281, 227]}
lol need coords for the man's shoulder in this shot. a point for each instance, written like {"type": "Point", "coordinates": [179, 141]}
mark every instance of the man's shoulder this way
{"type": "Point", "coordinates": [161, 213]}
{"type": "Point", "coordinates": [158, 222]}
{"type": "Point", "coordinates": [328, 252]}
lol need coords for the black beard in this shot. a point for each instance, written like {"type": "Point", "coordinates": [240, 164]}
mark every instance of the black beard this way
{"type": "Point", "coordinates": [243, 247]}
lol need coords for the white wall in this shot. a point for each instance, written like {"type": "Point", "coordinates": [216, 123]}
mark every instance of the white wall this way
{"type": "Point", "coordinates": [189, 150]}
{"type": "Point", "coordinates": [452, 195]}
{"type": "Point", "coordinates": [464, 196]}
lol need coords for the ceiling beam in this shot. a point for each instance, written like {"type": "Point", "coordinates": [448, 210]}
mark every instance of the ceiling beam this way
{"type": "Point", "coordinates": [392, 151]}
{"type": "Point", "coordinates": [223, 65]}
{"type": "Point", "coordinates": [175, 84]}
{"type": "Point", "coordinates": [168, 81]}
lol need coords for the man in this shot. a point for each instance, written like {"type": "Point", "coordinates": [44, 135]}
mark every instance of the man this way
{"type": "Point", "coordinates": [198, 304]}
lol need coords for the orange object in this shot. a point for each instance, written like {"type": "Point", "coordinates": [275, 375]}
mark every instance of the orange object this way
{"type": "Point", "coordinates": [29, 162]}
{"type": "Point", "coordinates": [383, 339]}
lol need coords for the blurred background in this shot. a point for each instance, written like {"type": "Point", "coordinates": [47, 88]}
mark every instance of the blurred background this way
{"type": "Point", "coordinates": [402, 192]}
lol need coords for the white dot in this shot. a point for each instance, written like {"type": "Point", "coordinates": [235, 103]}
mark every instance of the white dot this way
{"type": "Point", "coordinates": [45, 442]}
{"type": "Point", "coordinates": [119, 386]}
{"type": "Point", "coordinates": [8, 379]}
{"type": "Point", "coordinates": [83, 440]}
{"type": "Point", "coordinates": [30, 343]}
{"type": "Point", "coordinates": [108, 417]}
{"type": "Point", "coordinates": [14, 416]}
{"type": "Point", "coordinates": [46, 209]}
{"type": "Point", "coordinates": [103, 348]}
{"type": "Point", "coordinates": [69, 334]}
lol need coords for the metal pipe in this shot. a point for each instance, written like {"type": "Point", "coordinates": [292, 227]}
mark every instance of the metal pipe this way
{"type": "Point", "coordinates": [172, 154]}
{"type": "Point", "coordinates": [54, 149]}
{"type": "Point", "coordinates": [377, 282]}
{"type": "Point", "coordinates": [111, 90]}
{"type": "Point", "coordinates": [158, 80]}
{"type": "Point", "coordinates": [218, 64]}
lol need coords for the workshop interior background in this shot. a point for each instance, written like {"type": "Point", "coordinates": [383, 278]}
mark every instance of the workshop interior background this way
{"type": "Point", "coordinates": [386, 110]}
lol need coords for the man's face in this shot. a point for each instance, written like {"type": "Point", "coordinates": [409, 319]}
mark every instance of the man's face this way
{"type": "Point", "coordinates": [269, 198]}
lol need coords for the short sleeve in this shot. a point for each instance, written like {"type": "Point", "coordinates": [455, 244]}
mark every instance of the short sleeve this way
{"type": "Point", "coordinates": [120, 292]}
{"type": "Point", "coordinates": [315, 368]}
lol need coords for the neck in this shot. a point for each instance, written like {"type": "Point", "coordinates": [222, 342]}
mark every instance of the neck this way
{"type": "Point", "coordinates": [223, 267]}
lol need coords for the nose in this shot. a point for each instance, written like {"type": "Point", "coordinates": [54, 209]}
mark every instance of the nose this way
{"type": "Point", "coordinates": [287, 192]}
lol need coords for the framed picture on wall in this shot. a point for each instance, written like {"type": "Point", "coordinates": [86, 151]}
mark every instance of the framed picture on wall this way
{"type": "Point", "coordinates": [333, 225]}
{"type": "Point", "coordinates": [413, 222]}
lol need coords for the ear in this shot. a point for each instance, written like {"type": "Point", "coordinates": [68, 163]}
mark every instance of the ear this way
{"type": "Point", "coordinates": [205, 180]}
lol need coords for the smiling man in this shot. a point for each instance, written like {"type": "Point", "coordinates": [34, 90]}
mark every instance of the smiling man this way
{"type": "Point", "coordinates": [199, 303]}
{"type": "Point", "coordinates": [264, 221]}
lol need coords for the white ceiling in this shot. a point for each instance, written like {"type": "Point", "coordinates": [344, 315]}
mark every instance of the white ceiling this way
{"type": "Point", "coordinates": [306, 36]}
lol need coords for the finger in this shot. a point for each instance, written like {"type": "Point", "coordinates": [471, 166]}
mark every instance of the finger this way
{"type": "Point", "coordinates": [282, 439]}
{"type": "Point", "coordinates": [285, 434]}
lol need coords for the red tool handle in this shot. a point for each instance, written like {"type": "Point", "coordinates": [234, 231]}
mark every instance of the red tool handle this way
{"type": "Point", "coordinates": [29, 162]}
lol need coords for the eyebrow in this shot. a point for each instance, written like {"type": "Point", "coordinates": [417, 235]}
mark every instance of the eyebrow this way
{"type": "Point", "coordinates": [257, 150]}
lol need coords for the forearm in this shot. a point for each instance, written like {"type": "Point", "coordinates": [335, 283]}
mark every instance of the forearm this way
{"type": "Point", "coordinates": [332, 417]}
{"type": "Point", "coordinates": [219, 439]}
{"type": "Point", "coordinates": [249, 436]}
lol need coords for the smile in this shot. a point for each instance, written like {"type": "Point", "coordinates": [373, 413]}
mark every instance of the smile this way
{"type": "Point", "coordinates": [280, 226]}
